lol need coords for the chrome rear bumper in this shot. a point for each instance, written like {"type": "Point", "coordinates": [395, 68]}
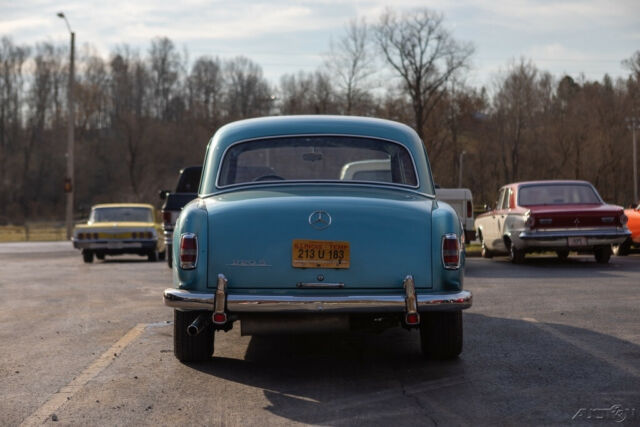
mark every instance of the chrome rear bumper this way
{"type": "Point", "coordinates": [250, 303]}
{"type": "Point", "coordinates": [558, 238]}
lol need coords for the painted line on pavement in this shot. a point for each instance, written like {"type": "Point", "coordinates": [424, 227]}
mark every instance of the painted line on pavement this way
{"type": "Point", "coordinates": [605, 357]}
{"type": "Point", "coordinates": [65, 393]}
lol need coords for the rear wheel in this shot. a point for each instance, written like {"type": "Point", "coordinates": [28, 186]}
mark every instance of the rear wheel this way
{"type": "Point", "coordinates": [623, 248]}
{"type": "Point", "coordinates": [441, 334]}
{"type": "Point", "coordinates": [516, 255]}
{"type": "Point", "coordinates": [602, 254]}
{"type": "Point", "coordinates": [87, 256]}
{"type": "Point", "coordinates": [152, 256]}
{"type": "Point", "coordinates": [187, 348]}
{"type": "Point", "coordinates": [161, 255]}
{"type": "Point", "coordinates": [485, 252]}
{"type": "Point", "coordinates": [563, 254]}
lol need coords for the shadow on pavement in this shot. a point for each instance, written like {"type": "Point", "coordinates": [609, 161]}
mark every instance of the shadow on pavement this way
{"type": "Point", "coordinates": [510, 372]}
{"type": "Point", "coordinates": [575, 266]}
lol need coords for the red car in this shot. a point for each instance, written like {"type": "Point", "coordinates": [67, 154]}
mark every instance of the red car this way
{"type": "Point", "coordinates": [633, 225]}
{"type": "Point", "coordinates": [560, 216]}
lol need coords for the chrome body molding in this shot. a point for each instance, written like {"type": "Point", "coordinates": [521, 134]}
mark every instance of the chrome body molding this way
{"type": "Point", "coordinates": [251, 303]}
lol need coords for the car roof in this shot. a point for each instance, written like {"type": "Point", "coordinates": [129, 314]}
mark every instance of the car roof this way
{"type": "Point", "coordinates": [123, 205]}
{"type": "Point", "coordinates": [548, 181]}
{"type": "Point", "coordinates": [314, 124]}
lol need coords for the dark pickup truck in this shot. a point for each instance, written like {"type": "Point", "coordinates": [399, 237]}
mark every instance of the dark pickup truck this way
{"type": "Point", "coordinates": [186, 190]}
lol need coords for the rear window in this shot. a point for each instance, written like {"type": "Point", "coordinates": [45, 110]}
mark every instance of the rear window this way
{"type": "Point", "coordinates": [121, 214]}
{"type": "Point", "coordinates": [317, 158]}
{"type": "Point", "coordinates": [557, 194]}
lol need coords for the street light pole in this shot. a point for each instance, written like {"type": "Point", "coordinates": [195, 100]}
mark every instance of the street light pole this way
{"type": "Point", "coordinates": [460, 168]}
{"type": "Point", "coordinates": [69, 183]}
{"type": "Point", "coordinates": [633, 123]}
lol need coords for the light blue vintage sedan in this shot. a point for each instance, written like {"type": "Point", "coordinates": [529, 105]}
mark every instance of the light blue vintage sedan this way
{"type": "Point", "coordinates": [280, 240]}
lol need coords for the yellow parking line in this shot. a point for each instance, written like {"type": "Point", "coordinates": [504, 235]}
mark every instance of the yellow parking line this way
{"type": "Point", "coordinates": [605, 357]}
{"type": "Point", "coordinates": [66, 392]}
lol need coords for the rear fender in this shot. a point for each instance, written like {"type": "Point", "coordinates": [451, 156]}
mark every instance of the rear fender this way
{"type": "Point", "coordinates": [192, 219]}
{"type": "Point", "coordinates": [444, 220]}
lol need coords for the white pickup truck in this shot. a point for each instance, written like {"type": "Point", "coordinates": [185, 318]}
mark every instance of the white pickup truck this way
{"type": "Point", "coordinates": [461, 200]}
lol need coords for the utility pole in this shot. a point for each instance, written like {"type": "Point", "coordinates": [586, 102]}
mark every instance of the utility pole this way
{"type": "Point", "coordinates": [69, 183]}
{"type": "Point", "coordinates": [460, 168]}
{"type": "Point", "coordinates": [633, 123]}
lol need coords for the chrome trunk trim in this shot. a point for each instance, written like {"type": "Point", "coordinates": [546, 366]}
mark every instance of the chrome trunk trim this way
{"type": "Point", "coordinates": [320, 285]}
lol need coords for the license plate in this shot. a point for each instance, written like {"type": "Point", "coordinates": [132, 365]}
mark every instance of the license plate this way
{"type": "Point", "coordinates": [577, 241]}
{"type": "Point", "coordinates": [320, 254]}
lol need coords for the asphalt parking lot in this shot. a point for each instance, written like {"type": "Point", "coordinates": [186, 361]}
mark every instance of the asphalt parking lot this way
{"type": "Point", "coordinates": [547, 342]}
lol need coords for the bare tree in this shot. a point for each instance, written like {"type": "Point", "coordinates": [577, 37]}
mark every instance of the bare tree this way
{"type": "Point", "coordinates": [205, 87]}
{"type": "Point", "coordinates": [164, 74]}
{"type": "Point", "coordinates": [519, 100]}
{"type": "Point", "coordinates": [248, 94]}
{"type": "Point", "coordinates": [424, 54]}
{"type": "Point", "coordinates": [12, 62]}
{"type": "Point", "coordinates": [351, 62]}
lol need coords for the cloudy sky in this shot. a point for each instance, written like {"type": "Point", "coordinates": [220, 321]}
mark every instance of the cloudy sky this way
{"type": "Point", "coordinates": [589, 37]}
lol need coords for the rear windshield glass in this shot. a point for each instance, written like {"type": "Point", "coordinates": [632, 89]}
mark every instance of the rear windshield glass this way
{"type": "Point", "coordinates": [557, 194]}
{"type": "Point", "coordinates": [121, 214]}
{"type": "Point", "coordinates": [317, 158]}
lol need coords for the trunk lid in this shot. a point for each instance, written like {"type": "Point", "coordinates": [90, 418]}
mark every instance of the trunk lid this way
{"type": "Point", "coordinates": [576, 216]}
{"type": "Point", "coordinates": [251, 234]}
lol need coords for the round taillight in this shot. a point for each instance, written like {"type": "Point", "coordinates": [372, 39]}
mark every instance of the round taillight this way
{"type": "Point", "coordinates": [624, 219]}
{"type": "Point", "coordinates": [530, 222]}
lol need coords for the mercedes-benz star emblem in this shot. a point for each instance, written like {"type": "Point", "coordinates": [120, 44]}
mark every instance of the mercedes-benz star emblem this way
{"type": "Point", "coordinates": [320, 220]}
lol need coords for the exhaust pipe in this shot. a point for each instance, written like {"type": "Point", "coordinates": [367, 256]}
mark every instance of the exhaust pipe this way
{"type": "Point", "coordinates": [200, 324]}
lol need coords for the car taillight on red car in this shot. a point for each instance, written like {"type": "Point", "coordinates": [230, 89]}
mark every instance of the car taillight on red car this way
{"type": "Point", "coordinates": [530, 221]}
{"type": "Point", "coordinates": [450, 251]}
{"type": "Point", "coordinates": [188, 251]}
{"type": "Point", "coordinates": [623, 219]}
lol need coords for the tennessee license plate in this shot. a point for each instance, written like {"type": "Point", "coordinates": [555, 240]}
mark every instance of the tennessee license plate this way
{"type": "Point", "coordinates": [577, 241]}
{"type": "Point", "coordinates": [320, 254]}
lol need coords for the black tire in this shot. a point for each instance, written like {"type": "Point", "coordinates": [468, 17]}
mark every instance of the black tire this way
{"type": "Point", "coordinates": [100, 256]}
{"type": "Point", "coordinates": [486, 253]}
{"type": "Point", "coordinates": [563, 254]}
{"type": "Point", "coordinates": [602, 254]}
{"type": "Point", "coordinates": [516, 255]}
{"type": "Point", "coordinates": [152, 256]}
{"type": "Point", "coordinates": [187, 348]}
{"type": "Point", "coordinates": [169, 256]}
{"type": "Point", "coordinates": [162, 255]}
{"type": "Point", "coordinates": [623, 249]}
{"type": "Point", "coordinates": [441, 334]}
{"type": "Point", "coordinates": [87, 256]}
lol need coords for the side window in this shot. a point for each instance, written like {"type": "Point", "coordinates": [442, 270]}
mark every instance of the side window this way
{"type": "Point", "coordinates": [505, 200]}
{"type": "Point", "coordinates": [500, 198]}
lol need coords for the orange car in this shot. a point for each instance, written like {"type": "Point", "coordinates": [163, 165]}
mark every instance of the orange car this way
{"type": "Point", "coordinates": [634, 226]}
